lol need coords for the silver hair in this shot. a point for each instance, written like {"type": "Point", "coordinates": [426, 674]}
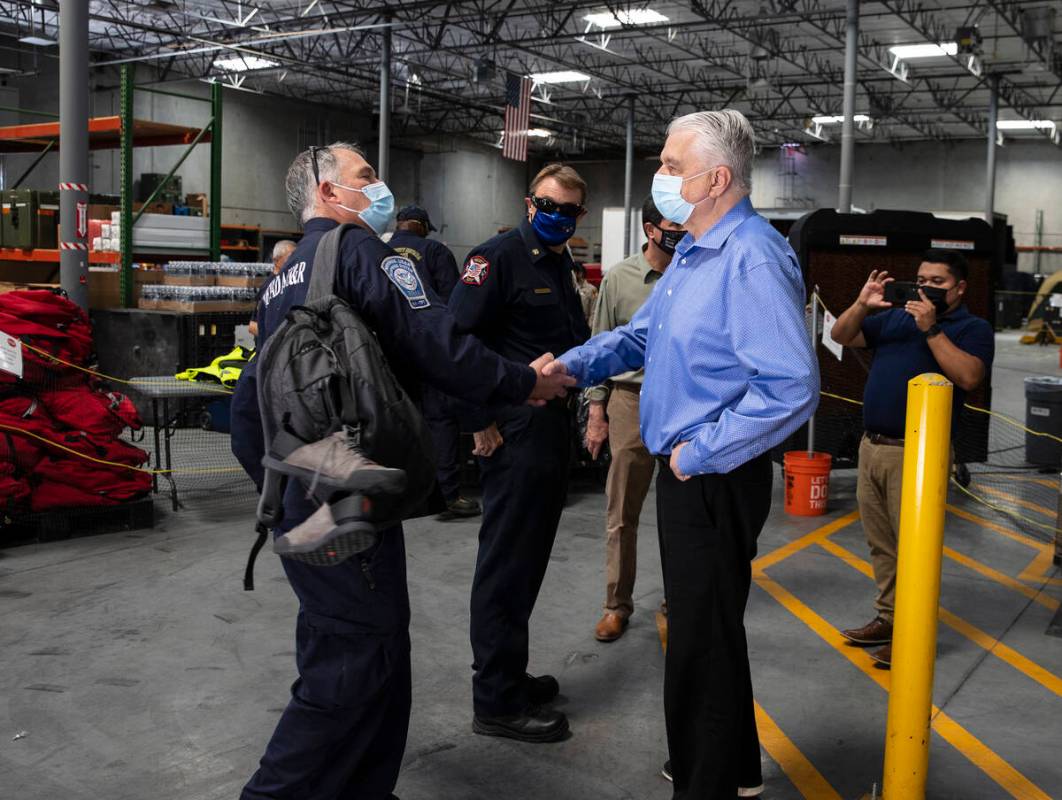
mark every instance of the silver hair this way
{"type": "Point", "coordinates": [282, 249]}
{"type": "Point", "coordinates": [302, 191]}
{"type": "Point", "coordinates": [723, 137]}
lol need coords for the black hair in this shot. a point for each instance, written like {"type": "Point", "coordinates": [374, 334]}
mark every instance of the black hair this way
{"type": "Point", "coordinates": [650, 213]}
{"type": "Point", "coordinates": [954, 261]}
{"type": "Point", "coordinates": [579, 269]}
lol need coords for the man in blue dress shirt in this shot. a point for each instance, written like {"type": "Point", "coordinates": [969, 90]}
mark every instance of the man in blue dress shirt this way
{"type": "Point", "coordinates": [729, 374]}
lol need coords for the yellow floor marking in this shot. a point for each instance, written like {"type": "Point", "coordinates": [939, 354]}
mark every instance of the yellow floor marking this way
{"type": "Point", "coordinates": [1052, 513]}
{"type": "Point", "coordinates": [1046, 600]}
{"type": "Point", "coordinates": [1012, 781]}
{"type": "Point", "coordinates": [805, 541]}
{"type": "Point", "coordinates": [1021, 538]}
{"type": "Point", "coordinates": [1042, 481]}
{"type": "Point", "coordinates": [1026, 666]}
{"type": "Point", "coordinates": [807, 780]}
{"type": "Point", "coordinates": [1039, 567]}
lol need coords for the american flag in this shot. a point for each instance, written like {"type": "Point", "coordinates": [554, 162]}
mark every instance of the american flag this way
{"type": "Point", "coordinates": [517, 117]}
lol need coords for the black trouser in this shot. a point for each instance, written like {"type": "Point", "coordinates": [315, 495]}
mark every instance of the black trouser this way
{"type": "Point", "coordinates": [708, 528]}
{"type": "Point", "coordinates": [445, 434]}
{"type": "Point", "coordinates": [343, 734]}
{"type": "Point", "coordinates": [524, 486]}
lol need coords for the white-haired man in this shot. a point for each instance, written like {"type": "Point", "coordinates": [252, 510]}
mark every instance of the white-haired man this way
{"type": "Point", "coordinates": [282, 250]}
{"type": "Point", "coordinates": [729, 374]}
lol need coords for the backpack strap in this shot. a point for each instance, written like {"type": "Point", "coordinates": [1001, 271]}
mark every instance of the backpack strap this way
{"type": "Point", "coordinates": [326, 263]}
{"type": "Point", "coordinates": [248, 573]}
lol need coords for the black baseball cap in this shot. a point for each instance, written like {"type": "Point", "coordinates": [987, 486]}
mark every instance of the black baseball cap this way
{"type": "Point", "coordinates": [416, 213]}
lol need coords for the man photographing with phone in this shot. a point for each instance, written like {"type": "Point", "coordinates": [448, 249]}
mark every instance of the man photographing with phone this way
{"type": "Point", "coordinates": [919, 328]}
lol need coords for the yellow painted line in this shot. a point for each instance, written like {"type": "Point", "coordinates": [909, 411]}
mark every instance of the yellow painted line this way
{"type": "Point", "coordinates": [1026, 666]}
{"type": "Point", "coordinates": [1041, 481]}
{"type": "Point", "coordinates": [805, 541]}
{"type": "Point", "coordinates": [1039, 567]}
{"type": "Point", "coordinates": [1039, 596]}
{"type": "Point", "coordinates": [1018, 501]}
{"type": "Point", "coordinates": [807, 780]}
{"type": "Point", "coordinates": [1021, 538]}
{"type": "Point", "coordinates": [1010, 779]}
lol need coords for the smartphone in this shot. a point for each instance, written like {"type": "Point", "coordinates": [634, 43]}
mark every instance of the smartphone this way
{"type": "Point", "coordinates": [899, 293]}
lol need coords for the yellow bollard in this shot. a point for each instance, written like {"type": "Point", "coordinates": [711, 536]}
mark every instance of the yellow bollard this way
{"type": "Point", "coordinates": [914, 644]}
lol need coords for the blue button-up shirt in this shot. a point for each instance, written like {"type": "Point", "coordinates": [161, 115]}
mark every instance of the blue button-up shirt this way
{"type": "Point", "coordinates": [729, 367]}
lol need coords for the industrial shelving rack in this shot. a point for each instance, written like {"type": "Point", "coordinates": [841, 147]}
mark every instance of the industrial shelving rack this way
{"type": "Point", "coordinates": [125, 132]}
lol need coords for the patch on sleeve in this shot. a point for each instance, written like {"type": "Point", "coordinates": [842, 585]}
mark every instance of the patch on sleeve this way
{"type": "Point", "coordinates": [476, 271]}
{"type": "Point", "coordinates": [404, 275]}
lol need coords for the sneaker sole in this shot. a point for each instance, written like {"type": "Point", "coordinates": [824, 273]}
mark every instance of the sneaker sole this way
{"type": "Point", "coordinates": [375, 481]}
{"type": "Point", "coordinates": [487, 729]}
{"type": "Point", "coordinates": [350, 538]}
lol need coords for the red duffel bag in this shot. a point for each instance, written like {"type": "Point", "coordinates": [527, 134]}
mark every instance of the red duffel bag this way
{"type": "Point", "coordinates": [100, 415]}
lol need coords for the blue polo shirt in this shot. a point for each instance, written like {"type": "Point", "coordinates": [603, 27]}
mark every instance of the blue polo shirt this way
{"type": "Point", "coordinates": [901, 352]}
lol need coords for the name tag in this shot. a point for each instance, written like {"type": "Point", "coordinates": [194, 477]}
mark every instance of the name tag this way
{"type": "Point", "coordinates": [545, 290]}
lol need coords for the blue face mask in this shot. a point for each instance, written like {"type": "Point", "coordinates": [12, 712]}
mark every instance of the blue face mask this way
{"type": "Point", "coordinates": [381, 210]}
{"type": "Point", "coordinates": [553, 229]}
{"type": "Point", "coordinates": [667, 195]}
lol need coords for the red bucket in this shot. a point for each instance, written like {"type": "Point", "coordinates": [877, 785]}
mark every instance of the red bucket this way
{"type": "Point", "coordinates": [807, 482]}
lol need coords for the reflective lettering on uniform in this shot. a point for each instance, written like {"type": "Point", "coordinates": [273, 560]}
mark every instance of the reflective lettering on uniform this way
{"type": "Point", "coordinates": [409, 253]}
{"type": "Point", "coordinates": [476, 271]}
{"type": "Point", "coordinates": [403, 274]}
{"type": "Point", "coordinates": [291, 276]}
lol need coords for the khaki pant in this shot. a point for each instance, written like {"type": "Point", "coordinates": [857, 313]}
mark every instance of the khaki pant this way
{"type": "Point", "coordinates": [878, 490]}
{"type": "Point", "coordinates": [629, 478]}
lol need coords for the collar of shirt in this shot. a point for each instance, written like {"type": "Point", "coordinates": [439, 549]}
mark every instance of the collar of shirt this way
{"type": "Point", "coordinates": [648, 273]}
{"type": "Point", "coordinates": [318, 224]}
{"type": "Point", "coordinates": [715, 237]}
{"type": "Point", "coordinates": [536, 251]}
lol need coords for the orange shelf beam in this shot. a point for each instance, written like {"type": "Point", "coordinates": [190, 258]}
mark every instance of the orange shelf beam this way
{"type": "Point", "coordinates": [104, 134]}
{"type": "Point", "coordinates": [40, 256]}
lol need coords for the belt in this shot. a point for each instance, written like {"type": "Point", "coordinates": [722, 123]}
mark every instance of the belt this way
{"type": "Point", "coordinates": [877, 438]}
{"type": "Point", "coordinates": [633, 388]}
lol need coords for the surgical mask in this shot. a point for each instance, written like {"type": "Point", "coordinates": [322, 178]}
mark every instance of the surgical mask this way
{"type": "Point", "coordinates": [669, 239]}
{"type": "Point", "coordinates": [667, 195]}
{"type": "Point", "coordinates": [381, 210]}
{"type": "Point", "coordinates": [553, 229]}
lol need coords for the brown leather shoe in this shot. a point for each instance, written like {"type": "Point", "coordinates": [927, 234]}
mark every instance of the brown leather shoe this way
{"type": "Point", "coordinates": [876, 632]}
{"type": "Point", "coordinates": [883, 657]}
{"type": "Point", "coordinates": [610, 628]}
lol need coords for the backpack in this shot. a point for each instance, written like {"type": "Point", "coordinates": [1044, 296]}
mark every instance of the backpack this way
{"type": "Point", "coordinates": [324, 369]}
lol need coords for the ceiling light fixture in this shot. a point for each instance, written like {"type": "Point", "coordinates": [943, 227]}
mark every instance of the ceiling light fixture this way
{"type": "Point", "coordinates": [928, 50]}
{"type": "Point", "coordinates": [244, 63]}
{"type": "Point", "coordinates": [40, 41]}
{"type": "Point", "coordinates": [1025, 125]}
{"type": "Point", "coordinates": [539, 133]}
{"type": "Point", "coordinates": [561, 76]}
{"type": "Point", "coordinates": [638, 16]}
{"type": "Point", "coordinates": [838, 119]}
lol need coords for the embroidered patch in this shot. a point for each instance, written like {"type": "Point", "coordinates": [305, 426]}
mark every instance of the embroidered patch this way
{"type": "Point", "coordinates": [409, 253]}
{"type": "Point", "coordinates": [476, 271]}
{"type": "Point", "coordinates": [404, 275]}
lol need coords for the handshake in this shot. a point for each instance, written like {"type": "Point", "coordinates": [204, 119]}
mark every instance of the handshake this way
{"type": "Point", "coordinates": [553, 380]}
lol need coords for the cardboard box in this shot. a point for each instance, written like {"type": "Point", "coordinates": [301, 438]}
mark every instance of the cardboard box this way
{"type": "Point", "coordinates": [195, 306]}
{"type": "Point", "coordinates": [240, 282]}
{"type": "Point", "coordinates": [189, 280]}
{"type": "Point", "coordinates": [197, 201]}
{"type": "Point", "coordinates": [105, 287]}
{"type": "Point", "coordinates": [6, 287]}
{"type": "Point", "coordinates": [100, 211]}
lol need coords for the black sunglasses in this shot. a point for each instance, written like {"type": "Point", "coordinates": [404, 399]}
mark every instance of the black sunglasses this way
{"type": "Point", "coordinates": [313, 160]}
{"type": "Point", "coordinates": [547, 206]}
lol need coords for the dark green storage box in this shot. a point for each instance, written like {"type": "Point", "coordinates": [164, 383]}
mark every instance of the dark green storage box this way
{"type": "Point", "coordinates": [30, 219]}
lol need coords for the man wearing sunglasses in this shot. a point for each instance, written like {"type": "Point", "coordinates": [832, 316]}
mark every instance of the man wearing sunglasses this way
{"type": "Point", "coordinates": [344, 731]}
{"type": "Point", "coordinates": [517, 296]}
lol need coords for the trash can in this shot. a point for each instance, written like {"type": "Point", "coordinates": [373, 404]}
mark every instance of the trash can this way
{"type": "Point", "coordinates": [1043, 414]}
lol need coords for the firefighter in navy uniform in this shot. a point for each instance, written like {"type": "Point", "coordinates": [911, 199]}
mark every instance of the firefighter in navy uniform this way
{"type": "Point", "coordinates": [516, 294]}
{"type": "Point", "coordinates": [437, 267]}
{"type": "Point", "coordinates": [343, 733]}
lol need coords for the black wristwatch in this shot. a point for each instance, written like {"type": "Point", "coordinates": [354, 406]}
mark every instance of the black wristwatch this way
{"type": "Point", "coordinates": [934, 329]}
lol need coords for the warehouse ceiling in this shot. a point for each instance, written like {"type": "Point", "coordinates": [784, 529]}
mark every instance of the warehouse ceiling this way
{"type": "Point", "coordinates": [779, 61]}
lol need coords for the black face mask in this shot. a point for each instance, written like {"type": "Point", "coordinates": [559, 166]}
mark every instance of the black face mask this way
{"type": "Point", "coordinates": [669, 239]}
{"type": "Point", "coordinates": [936, 296]}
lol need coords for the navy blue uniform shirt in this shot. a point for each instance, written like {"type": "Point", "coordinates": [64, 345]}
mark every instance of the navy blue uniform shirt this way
{"type": "Point", "coordinates": [518, 297]}
{"type": "Point", "coordinates": [901, 352]}
{"type": "Point", "coordinates": [417, 332]}
{"type": "Point", "coordinates": [433, 260]}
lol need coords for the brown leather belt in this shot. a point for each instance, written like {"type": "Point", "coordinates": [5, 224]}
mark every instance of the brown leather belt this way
{"type": "Point", "coordinates": [877, 438]}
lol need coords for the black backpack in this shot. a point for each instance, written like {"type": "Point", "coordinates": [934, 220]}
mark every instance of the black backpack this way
{"type": "Point", "coordinates": [323, 369]}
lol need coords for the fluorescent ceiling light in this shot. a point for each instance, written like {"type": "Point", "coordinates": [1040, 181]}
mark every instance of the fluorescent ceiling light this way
{"type": "Point", "coordinates": [40, 41]}
{"type": "Point", "coordinates": [837, 120]}
{"type": "Point", "coordinates": [563, 76]}
{"type": "Point", "coordinates": [1025, 125]}
{"type": "Point", "coordinates": [639, 16]}
{"type": "Point", "coordinates": [925, 50]}
{"type": "Point", "coordinates": [539, 133]}
{"type": "Point", "coordinates": [244, 63]}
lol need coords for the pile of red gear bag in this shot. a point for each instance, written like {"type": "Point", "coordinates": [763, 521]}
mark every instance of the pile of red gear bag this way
{"type": "Point", "coordinates": [59, 429]}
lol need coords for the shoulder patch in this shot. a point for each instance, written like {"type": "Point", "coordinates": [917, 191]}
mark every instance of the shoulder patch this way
{"type": "Point", "coordinates": [403, 274]}
{"type": "Point", "coordinates": [476, 271]}
{"type": "Point", "coordinates": [409, 253]}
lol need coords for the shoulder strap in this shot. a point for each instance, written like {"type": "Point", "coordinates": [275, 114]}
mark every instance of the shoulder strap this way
{"type": "Point", "coordinates": [325, 263]}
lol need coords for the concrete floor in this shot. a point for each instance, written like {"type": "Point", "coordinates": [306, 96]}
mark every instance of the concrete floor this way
{"type": "Point", "coordinates": [137, 667]}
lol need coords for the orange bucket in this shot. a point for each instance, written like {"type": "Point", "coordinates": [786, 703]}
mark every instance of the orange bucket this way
{"type": "Point", "coordinates": [807, 482]}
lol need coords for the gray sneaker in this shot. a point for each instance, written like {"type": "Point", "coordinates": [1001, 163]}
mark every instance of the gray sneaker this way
{"type": "Point", "coordinates": [324, 540]}
{"type": "Point", "coordinates": [338, 464]}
